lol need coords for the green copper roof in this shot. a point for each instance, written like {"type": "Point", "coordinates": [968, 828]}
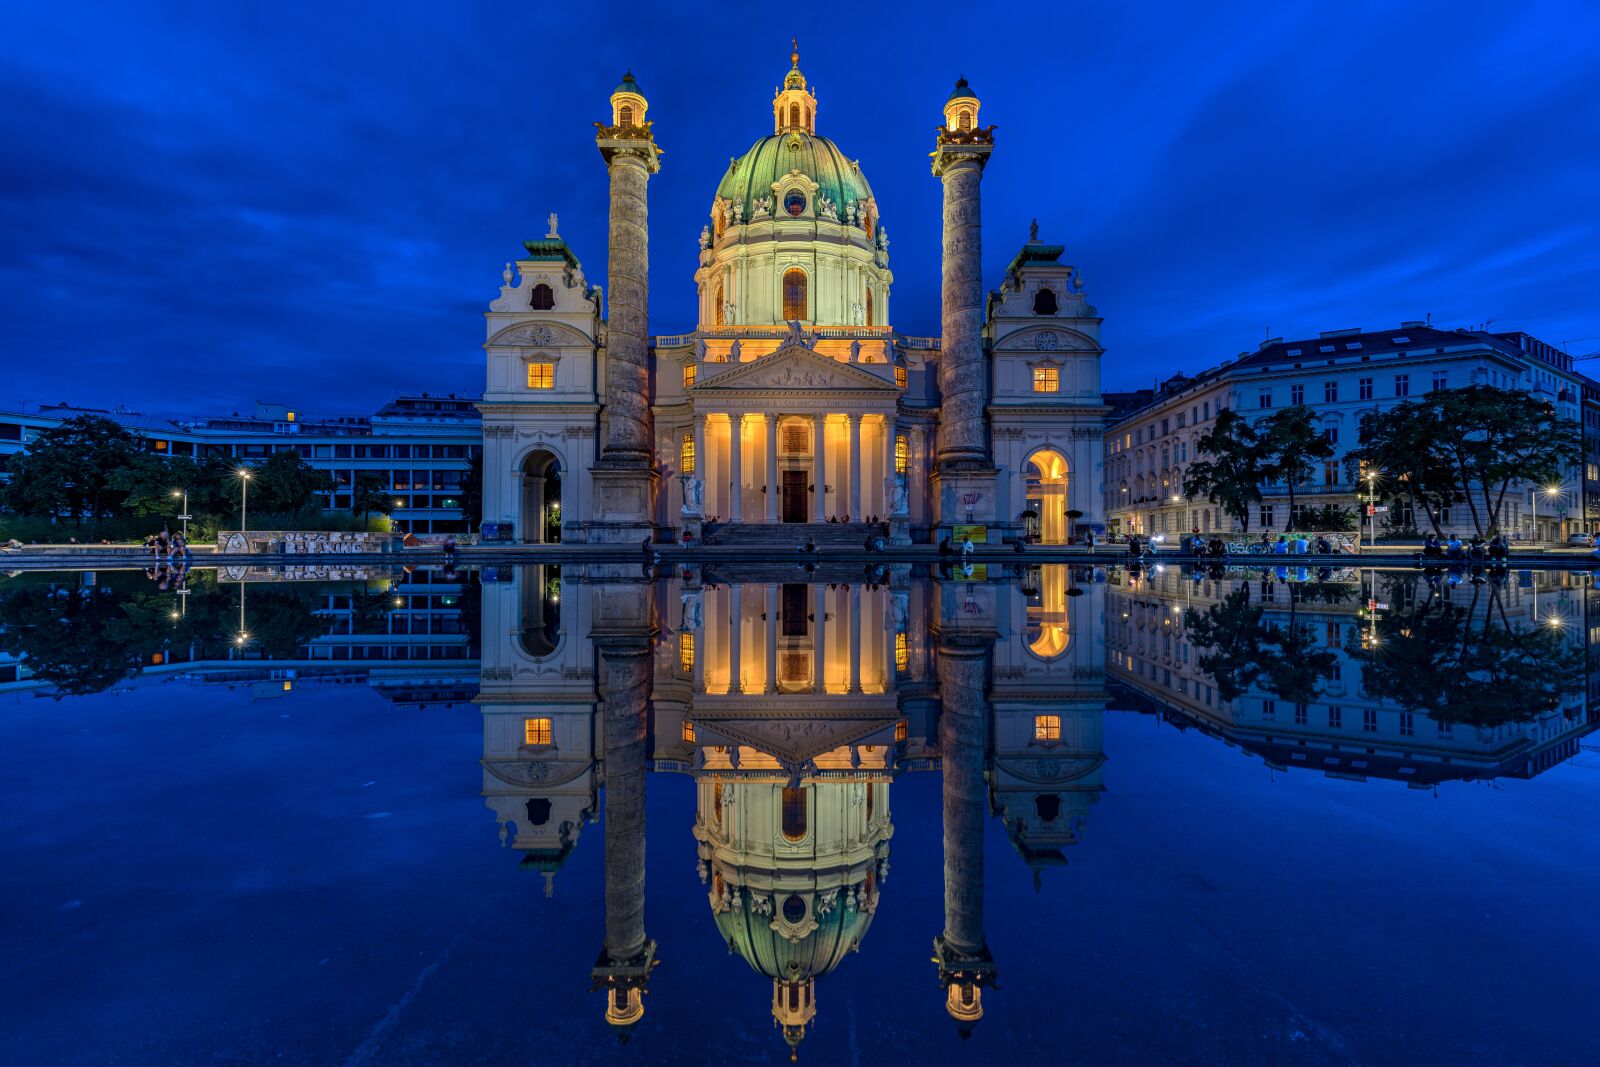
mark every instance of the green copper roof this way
{"type": "Point", "coordinates": [628, 85]}
{"type": "Point", "coordinates": [961, 91]}
{"type": "Point", "coordinates": [551, 249]}
{"type": "Point", "coordinates": [752, 174]}
{"type": "Point", "coordinates": [751, 934]}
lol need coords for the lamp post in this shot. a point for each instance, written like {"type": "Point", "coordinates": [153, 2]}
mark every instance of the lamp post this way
{"type": "Point", "coordinates": [185, 516]}
{"type": "Point", "coordinates": [1372, 514]}
{"type": "Point", "coordinates": [1549, 490]}
{"type": "Point", "coordinates": [244, 499]}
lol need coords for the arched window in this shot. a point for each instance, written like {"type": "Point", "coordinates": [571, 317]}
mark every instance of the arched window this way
{"type": "Point", "coordinates": [794, 295]}
{"type": "Point", "coordinates": [1048, 806]}
{"type": "Point", "coordinates": [808, 118]}
{"type": "Point", "coordinates": [716, 803]}
{"type": "Point", "coordinates": [716, 312]}
{"type": "Point", "coordinates": [871, 792]}
{"type": "Point", "coordinates": [543, 297]}
{"type": "Point", "coordinates": [538, 811]}
{"type": "Point", "coordinates": [1044, 302]}
{"type": "Point", "coordinates": [869, 307]}
{"type": "Point", "coordinates": [794, 814]}
{"type": "Point", "coordinates": [902, 454]}
{"type": "Point", "coordinates": [625, 115]}
{"type": "Point", "coordinates": [965, 122]}
{"type": "Point", "coordinates": [794, 114]}
{"type": "Point", "coordinates": [686, 455]}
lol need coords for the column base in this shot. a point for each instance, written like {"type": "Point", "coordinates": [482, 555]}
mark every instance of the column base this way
{"type": "Point", "coordinates": [964, 497]}
{"type": "Point", "coordinates": [624, 504]}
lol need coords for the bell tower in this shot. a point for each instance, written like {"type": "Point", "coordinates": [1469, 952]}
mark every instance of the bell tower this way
{"type": "Point", "coordinates": [794, 107]}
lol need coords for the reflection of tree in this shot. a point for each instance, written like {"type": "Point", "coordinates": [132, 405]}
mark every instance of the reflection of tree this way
{"type": "Point", "coordinates": [281, 623]}
{"type": "Point", "coordinates": [1242, 648]}
{"type": "Point", "coordinates": [1469, 664]}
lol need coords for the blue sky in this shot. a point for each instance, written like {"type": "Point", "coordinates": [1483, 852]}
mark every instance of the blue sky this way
{"type": "Point", "coordinates": [206, 205]}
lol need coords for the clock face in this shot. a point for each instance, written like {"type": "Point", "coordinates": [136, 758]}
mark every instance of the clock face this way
{"type": "Point", "coordinates": [795, 203]}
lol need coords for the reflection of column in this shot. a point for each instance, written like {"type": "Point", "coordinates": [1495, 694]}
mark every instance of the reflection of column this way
{"type": "Point", "coordinates": [819, 640]}
{"type": "Point", "coordinates": [735, 637]}
{"type": "Point", "coordinates": [624, 965]}
{"type": "Point", "coordinates": [965, 965]}
{"type": "Point", "coordinates": [736, 462]}
{"type": "Point", "coordinates": [855, 639]}
{"type": "Point", "coordinates": [772, 467]}
{"type": "Point", "coordinates": [772, 638]}
{"type": "Point", "coordinates": [819, 468]}
{"type": "Point", "coordinates": [855, 468]}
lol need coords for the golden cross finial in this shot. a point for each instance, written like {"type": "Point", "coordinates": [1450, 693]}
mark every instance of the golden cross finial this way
{"type": "Point", "coordinates": [794, 54]}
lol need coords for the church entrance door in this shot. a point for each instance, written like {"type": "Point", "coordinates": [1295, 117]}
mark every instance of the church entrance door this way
{"type": "Point", "coordinates": [794, 496]}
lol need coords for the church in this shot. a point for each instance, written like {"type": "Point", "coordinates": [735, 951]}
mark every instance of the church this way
{"type": "Point", "coordinates": [794, 408]}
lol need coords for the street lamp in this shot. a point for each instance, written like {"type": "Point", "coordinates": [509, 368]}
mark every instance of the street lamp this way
{"type": "Point", "coordinates": [244, 498]}
{"type": "Point", "coordinates": [185, 516]}
{"type": "Point", "coordinates": [1549, 490]}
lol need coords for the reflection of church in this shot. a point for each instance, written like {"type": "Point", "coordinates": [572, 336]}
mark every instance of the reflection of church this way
{"type": "Point", "coordinates": [793, 400]}
{"type": "Point", "coordinates": [793, 706]}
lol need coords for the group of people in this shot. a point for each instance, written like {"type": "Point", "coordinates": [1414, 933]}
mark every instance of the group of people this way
{"type": "Point", "coordinates": [1497, 547]}
{"type": "Point", "coordinates": [1293, 544]}
{"type": "Point", "coordinates": [169, 547]}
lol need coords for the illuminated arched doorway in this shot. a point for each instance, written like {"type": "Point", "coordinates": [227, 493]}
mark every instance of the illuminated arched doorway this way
{"type": "Point", "coordinates": [541, 609]}
{"type": "Point", "coordinates": [1049, 631]}
{"type": "Point", "coordinates": [1045, 518]}
{"type": "Point", "coordinates": [541, 498]}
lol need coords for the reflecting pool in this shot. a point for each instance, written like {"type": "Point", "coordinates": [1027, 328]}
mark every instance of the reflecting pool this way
{"type": "Point", "coordinates": [586, 814]}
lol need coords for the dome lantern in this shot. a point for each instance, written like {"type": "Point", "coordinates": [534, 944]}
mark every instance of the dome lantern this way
{"type": "Point", "coordinates": [961, 109]}
{"type": "Point", "coordinates": [628, 105]}
{"type": "Point", "coordinates": [794, 107]}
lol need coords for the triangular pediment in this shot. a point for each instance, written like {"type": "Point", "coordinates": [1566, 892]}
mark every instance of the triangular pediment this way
{"type": "Point", "coordinates": [794, 366]}
{"type": "Point", "coordinates": [793, 740]}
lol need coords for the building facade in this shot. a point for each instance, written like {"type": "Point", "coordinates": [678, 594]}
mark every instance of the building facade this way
{"type": "Point", "coordinates": [1343, 376]}
{"type": "Point", "coordinates": [793, 401]}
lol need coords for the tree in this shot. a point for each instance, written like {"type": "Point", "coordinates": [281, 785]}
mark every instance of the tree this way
{"type": "Point", "coordinates": [73, 471]}
{"type": "Point", "coordinates": [1290, 448]}
{"type": "Point", "coordinates": [371, 493]}
{"type": "Point", "coordinates": [285, 482]}
{"type": "Point", "coordinates": [1400, 448]}
{"type": "Point", "coordinates": [472, 490]}
{"type": "Point", "coordinates": [1498, 436]}
{"type": "Point", "coordinates": [151, 480]}
{"type": "Point", "coordinates": [1232, 476]}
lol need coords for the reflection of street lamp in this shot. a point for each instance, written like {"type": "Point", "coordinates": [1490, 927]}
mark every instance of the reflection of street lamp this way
{"type": "Point", "coordinates": [185, 516]}
{"type": "Point", "coordinates": [244, 499]}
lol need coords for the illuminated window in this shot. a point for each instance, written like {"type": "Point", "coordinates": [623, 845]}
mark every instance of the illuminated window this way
{"type": "Point", "coordinates": [716, 805]}
{"type": "Point", "coordinates": [686, 454]}
{"type": "Point", "coordinates": [794, 114]}
{"type": "Point", "coordinates": [536, 731]}
{"type": "Point", "coordinates": [794, 294]}
{"type": "Point", "coordinates": [161, 446]}
{"type": "Point", "coordinates": [902, 454]}
{"type": "Point", "coordinates": [716, 312]}
{"type": "Point", "coordinates": [794, 814]}
{"type": "Point", "coordinates": [965, 122]}
{"type": "Point", "coordinates": [796, 437]}
{"type": "Point", "coordinates": [541, 376]}
{"type": "Point", "coordinates": [900, 376]}
{"type": "Point", "coordinates": [1046, 379]}
{"type": "Point", "coordinates": [902, 653]}
{"type": "Point", "coordinates": [289, 416]}
{"type": "Point", "coordinates": [543, 298]}
{"type": "Point", "coordinates": [688, 375]}
{"type": "Point", "coordinates": [625, 115]}
{"type": "Point", "coordinates": [1047, 727]}
{"type": "Point", "coordinates": [688, 731]}
{"type": "Point", "coordinates": [686, 650]}
{"type": "Point", "coordinates": [902, 730]}
{"type": "Point", "coordinates": [869, 307]}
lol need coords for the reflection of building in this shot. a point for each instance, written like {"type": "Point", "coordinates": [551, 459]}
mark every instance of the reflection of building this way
{"type": "Point", "coordinates": [1336, 726]}
{"type": "Point", "coordinates": [792, 400]}
{"type": "Point", "coordinates": [794, 706]}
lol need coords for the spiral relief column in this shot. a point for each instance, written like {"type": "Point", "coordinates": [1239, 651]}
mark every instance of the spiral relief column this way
{"type": "Point", "coordinates": [962, 952]}
{"type": "Point", "coordinates": [965, 477]}
{"type": "Point", "coordinates": [624, 480]}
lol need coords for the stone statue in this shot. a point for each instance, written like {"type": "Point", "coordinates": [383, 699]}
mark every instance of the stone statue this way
{"type": "Point", "coordinates": [505, 275]}
{"type": "Point", "coordinates": [888, 351]}
{"type": "Point", "coordinates": [894, 490]}
{"type": "Point", "coordinates": [883, 237]}
{"type": "Point", "coordinates": [700, 349]}
{"type": "Point", "coordinates": [797, 336]}
{"type": "Point", "coordinates": [705, 237]}
{"type": "Point", "coordinates": [693, 496]}
{"type": "Point", "coordinates": [553, 233]}
{"type": "Point", "coordinates": [733, 351]}
{"type": "Point", "coordinates": [1033, 230]}
{"type": "Point", "coordinates": [855, 351]}
{"type": "Point", "coordinates": [693, 606]}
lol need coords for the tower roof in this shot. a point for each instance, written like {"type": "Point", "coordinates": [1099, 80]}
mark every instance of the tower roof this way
{"type": "Point", "coordinates": [794, 79]}
{"type": "Point", "coordinates": [628, 85]}
{"type": "Point", "coordinates": [962, 91]}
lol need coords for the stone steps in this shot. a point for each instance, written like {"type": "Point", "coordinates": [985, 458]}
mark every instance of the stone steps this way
{"type": "Point", "coordinates": [795, 534]}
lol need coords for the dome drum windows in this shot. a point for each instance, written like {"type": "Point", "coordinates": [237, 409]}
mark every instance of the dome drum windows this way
{"type": "Point", "coordinates": [795, 296]}
{"type": "Point", "coordinates": [794, 203]}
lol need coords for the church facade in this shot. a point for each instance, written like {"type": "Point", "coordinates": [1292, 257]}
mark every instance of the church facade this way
{"type": "Point", "coordinates": [793, 405]}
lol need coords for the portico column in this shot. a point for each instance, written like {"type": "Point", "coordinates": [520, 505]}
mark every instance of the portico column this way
{"type": "Point", "coordinates": [736, 462]}
{"type": "Point", "coordinates": [819, 631]}
{"type": "Point", "coordinates": [772, 638]}
{"type": "Point", "coordinates": [819, 467]}
{"type": "Point", "coordinates": [855, 638]}
{"type": "Point", "coordinates": [888, 465]}
{"type": "Point", "coordinates": [917, 472]}
{"type": "Point", "coordinates": [772, 468]}
{"type": "Point", "coordinates": [735, 638]}
{"type": "Point", "coordinates": [701, 464]}
{"type": "Point", "coordinates": [855, 468]}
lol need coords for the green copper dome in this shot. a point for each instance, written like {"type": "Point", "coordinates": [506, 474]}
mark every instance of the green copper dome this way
{"type": "Point", "coordinates": [751, 934]}
{"type": "Point", "coordinates": [628, 85]}
{"type": "Point", "coordinates": [752, 175]}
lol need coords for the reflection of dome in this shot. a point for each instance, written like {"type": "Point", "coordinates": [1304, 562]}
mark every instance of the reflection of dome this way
{"type": "Point", "coordinates": [763, 932]}
{"type": "Point", "coordinates": [753, 174]}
